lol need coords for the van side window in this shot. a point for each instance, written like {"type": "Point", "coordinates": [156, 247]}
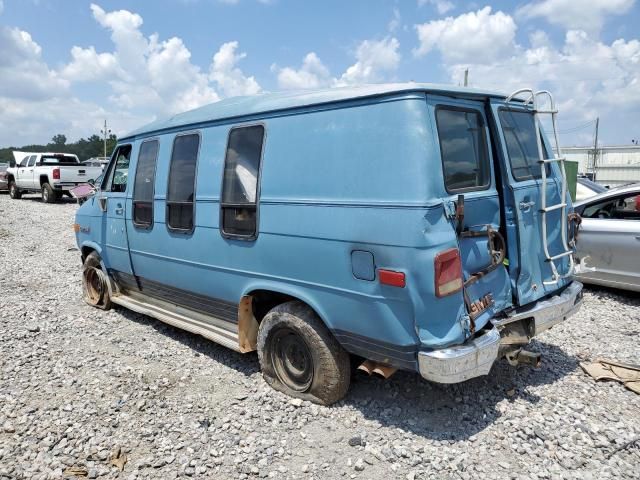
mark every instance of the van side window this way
{"type": "Point", "coordinates": [182, 182]}
{"type": "Point", "coordinates": [119, 173]}
{"type": "Point", "coordinates": [143, 186]}
{"type": "Point", "coordinates": [520, 137]}
{"type": "Point", "coordinates": [240, 184]}
{"type": "Point", "coordinates": [463, 147]}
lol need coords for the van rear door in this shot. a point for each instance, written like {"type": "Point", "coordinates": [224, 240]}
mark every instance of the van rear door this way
{"type": "Point", "coordinates": [467, 163]}
{"type": "Point", "coordinates": [522, 182]}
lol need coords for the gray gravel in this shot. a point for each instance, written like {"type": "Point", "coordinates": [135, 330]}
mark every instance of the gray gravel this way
{"type": "Point", "coordinates": [80, 387]}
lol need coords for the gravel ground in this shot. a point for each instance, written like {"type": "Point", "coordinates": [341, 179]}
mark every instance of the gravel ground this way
{"type": "Point", "coordinates": [82, 390]}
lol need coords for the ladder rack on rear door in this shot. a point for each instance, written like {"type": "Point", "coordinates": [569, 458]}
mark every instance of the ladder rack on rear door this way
{"type": "Point", "coordinates": [532, 100]}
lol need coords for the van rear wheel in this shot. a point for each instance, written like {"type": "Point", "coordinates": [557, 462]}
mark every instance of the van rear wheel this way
{"type": "Point", "coordinates": [95, 286]}
{"type": "Point", "coordinates": [299, 356]}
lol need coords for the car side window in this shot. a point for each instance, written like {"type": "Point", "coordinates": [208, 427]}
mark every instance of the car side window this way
{"type": "Point", "coordinates": [626, 207]}
{"type": "Point", "coordinates": [32, 161]}
{"type": "Point", "coordinates": [240, 182]}
{"type": "Point", "coordinates": [143, 186]}
{"type": "Point", "coordinates": [118, 175]}
{"type": "Point", "coordinates": [24, 161]}
{"type": "Point", "coordinates": [182, 182]}
{"type": "Point", "coordinates": [463, 147]}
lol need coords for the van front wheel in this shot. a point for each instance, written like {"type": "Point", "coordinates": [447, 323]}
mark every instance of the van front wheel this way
{"type": "Point", "coordinates": [299, 356]}
{"type": "Point", "coordinates": [95, 286]}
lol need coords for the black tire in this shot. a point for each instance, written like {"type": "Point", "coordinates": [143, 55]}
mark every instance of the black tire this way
{"type": "Point", "coordinates": [14, 191]}
{"type": "Point", "coordinates": [48, 194]}
{"type": "Point", "coordinates": [58, 195]}
{"type": "Point", "coordinates": [299, 356]}
{"type": "Point", "coordinates": [95, 283]}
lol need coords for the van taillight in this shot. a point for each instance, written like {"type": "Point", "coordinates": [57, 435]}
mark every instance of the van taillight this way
{"type": "Point", "coordinates": [448, 268]}
{"type": "Point", "coordinates": [56, 174]}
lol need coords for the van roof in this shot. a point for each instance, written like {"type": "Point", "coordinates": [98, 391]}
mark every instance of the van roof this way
{"type": "Point", "coordinates": [244, 106]}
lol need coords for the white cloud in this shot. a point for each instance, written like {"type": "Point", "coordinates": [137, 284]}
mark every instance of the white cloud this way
{"type": "Point", "coordinates": [588, 77]}
{"type": "Point", "coordinates": [395, 21]}
{"type": "Point", "coordinates": [228, 77]}
{"type": "Point", "coordinates": [472, 36]}
{"type": "Point", "coordinates": [375, 58]}
{"type": "Point", "coordinates": [312, 74]}
{"type": "Point", "coordinates": [143, 78]}
{"type": "Point", "coordinates": [23, 72]}
{"type": "Point", "coordinates": [87, 64]}
{"type": "Point", "coordinates": [442, 6]}
{"type": "Point", "coordinates": [572, 14]}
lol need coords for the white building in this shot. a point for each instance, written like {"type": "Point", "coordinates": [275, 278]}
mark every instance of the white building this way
{"type": "Point", "coordinates": [613, 165]}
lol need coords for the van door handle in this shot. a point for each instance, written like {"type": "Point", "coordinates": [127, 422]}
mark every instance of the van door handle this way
{"type": "Point", "coordinates": [526, 206]}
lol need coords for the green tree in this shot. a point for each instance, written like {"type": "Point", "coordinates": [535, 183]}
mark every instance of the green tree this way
{"type": "Point", "coordinates": [59, 139]}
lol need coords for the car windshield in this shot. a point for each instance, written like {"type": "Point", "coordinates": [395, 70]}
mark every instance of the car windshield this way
{"type": "Point", "coordinates": [58, 160]}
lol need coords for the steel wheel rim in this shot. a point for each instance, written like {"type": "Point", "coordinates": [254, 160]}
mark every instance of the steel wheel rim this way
{"type": "Point", "coordinates": [93, 285]}
{"type": "Point", "coordinates": [292, 359]}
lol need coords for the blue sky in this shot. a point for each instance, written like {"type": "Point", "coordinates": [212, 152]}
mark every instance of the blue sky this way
{"type": "Point", "coordinates": [65, 66]}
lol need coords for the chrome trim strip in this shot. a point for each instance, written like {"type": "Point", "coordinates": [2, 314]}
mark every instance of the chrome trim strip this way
{"type": "Point", "coordinates": [207, 326]}
{"type": "Point", "coordinates": [462, 362]}
{"type": "Point", "coordinates": [549, 312]}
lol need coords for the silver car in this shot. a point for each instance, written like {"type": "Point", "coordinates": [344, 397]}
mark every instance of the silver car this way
{"type": "Point", "coordinates": [609, 238]}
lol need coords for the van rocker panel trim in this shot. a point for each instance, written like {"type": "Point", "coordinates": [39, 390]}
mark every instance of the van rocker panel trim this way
{"type": "Point", "coordinates": [180, 318]}
{"type": "Point", "coordinates": [220, 309]}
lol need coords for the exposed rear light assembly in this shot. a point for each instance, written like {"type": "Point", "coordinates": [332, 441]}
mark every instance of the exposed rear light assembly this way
{"type": "Point", "coordinates": [56, 174]}
{"type": "Point", "coordinates": [448, 272]}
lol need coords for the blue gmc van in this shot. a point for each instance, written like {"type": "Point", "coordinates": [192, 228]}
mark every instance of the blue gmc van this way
{"type": "Point", "coordinates": [403, 226]}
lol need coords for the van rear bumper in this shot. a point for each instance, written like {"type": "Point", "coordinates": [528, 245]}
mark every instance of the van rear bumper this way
{"type": "Point", "coordinates": [475, 357]}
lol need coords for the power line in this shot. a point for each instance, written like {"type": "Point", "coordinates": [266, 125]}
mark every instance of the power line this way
{"type": "Point", "coordinates": [574, 129]}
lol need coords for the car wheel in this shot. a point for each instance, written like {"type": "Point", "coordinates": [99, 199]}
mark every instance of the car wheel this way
{"type": "Point", "coordinates": [299, 356]}
{"type": "Point", "coordinates": [48, 195]}
{"type": "Point", "coordinates": [95, 283]}
{"type": "Point", "coordinates": [14, 191]}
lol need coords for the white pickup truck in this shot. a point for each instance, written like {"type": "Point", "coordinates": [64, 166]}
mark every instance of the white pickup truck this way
{"type": "Point", "coordinates": [50, 174]}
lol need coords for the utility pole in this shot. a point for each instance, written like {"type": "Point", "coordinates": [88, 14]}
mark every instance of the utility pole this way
{"type": "Point", "coordinates": [595, 150]}
{"type": "Point", "coordinates": [466, 77]}
{"type": "Point", "coordinates": [105, 131]}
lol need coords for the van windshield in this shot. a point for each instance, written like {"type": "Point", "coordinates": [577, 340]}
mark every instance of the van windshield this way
{"type": "Point", "coordinates": [58, 160]}
{"type": "Point", "coordinates": [520, 136]}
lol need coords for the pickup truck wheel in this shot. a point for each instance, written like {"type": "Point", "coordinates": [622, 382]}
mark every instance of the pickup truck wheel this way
{"type": "Point", "coordinates": [299, 356]}
{"type": "Point", "coordinates": [48, 195]}
{"type": "Point", "coordinates": [14, 191]}
{"type": "Point", "coordinates": [95, 283]}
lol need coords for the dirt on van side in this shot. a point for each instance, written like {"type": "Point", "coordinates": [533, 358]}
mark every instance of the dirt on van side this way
{"type": "Point", "coordinates": [91, 394]}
